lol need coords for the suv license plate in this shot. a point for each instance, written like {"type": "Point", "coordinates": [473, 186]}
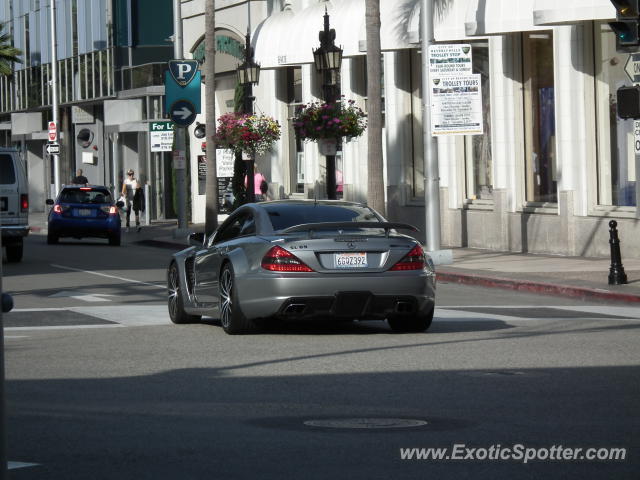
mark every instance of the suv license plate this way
{"type": "Point", "coordinates": [351, 260]}
{"type": "Point", "coordinates": [84, 212]}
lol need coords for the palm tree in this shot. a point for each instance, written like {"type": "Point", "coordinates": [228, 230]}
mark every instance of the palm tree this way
{"type": "Point", "coordinates": [375, 182]}
{"type": "Point", "coordinates": [8, 53]}
{"type": "Point", "coordinates": [211, 186]}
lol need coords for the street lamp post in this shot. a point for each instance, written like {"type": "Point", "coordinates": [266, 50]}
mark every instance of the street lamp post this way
{"type": "Point", "coordinates": [327, 59]}
{"type": "Point", "coordinates": [248, 76]}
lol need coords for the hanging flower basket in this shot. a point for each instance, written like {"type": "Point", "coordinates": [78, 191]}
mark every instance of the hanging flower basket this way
{"type": "Point", "coordinates": [254, 134]}
{"type": "Point", "coordinates": [341, 118]}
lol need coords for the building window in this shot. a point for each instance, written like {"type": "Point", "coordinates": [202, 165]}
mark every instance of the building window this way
{"type": "Point", "coordinates": [539, 115]}
{"type": "Point", "coordinates": [616, 164]}
{"type": "Point", "coordinates": [478, 161]}
{"type": "Point", "coordinates": [293, 96]}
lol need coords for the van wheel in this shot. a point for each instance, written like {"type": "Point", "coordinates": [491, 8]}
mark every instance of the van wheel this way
{"type": "Point", "coordinates": [14, 253]}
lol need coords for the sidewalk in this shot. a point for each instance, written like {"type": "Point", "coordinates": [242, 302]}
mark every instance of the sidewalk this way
{"type": "Point", "coordinates": [578, 277]}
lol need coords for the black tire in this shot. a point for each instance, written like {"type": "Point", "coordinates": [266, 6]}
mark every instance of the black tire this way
{"type": "Point", "coordinates": [51, 238]}
{"type": "Point", "coordinates": [114, 240]}
{"type": "Point", "coordinates": [175, 302]}
{"type": "Point", "coordinates": [14, 252]}
{"type": "Point", "coordinates": [411, 324]}
{"type": "Point", "coordinates": [231, 317]}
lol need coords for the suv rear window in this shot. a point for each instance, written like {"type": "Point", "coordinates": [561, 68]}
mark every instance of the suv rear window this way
{"type": "Point", "coordinates": [85, 195]}
{"type": "Point", "coordinates": [285, 216]}
{"type": "Point", "coordinates": [7, 170]}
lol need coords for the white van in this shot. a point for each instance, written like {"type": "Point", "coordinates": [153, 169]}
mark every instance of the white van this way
{"type": "Point", "coordinates": [14, 203]}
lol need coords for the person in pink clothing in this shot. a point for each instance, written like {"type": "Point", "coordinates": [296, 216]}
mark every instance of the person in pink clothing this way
{"type": "Point", "coordinates": [260, 185]}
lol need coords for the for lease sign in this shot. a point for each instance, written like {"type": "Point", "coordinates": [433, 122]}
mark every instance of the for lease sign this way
{"type": "Point", "coordinates": [161, 136]}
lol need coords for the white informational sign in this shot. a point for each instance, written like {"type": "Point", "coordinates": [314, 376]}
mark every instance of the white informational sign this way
{"type": "Point", "coordinates": [224, 162]}
{"type": "Point", "coordinates": [161, 136]}
{"type": "Point", "coordinates": [179, 160]}
{"type": "Point", "coordinates": [456, 105]}
{"type": "Point", "coordinates": [636, 132]}
{"type": "Point", "coordinates": [87, 157]}
{"type": "Point", "coordinates": [452, 59]}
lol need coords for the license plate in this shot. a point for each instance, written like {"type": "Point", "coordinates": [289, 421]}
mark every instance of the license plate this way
{"type": "Point", "coordinates": [351, 260]}
{"type": "Point", "coordinates": [84, 212]}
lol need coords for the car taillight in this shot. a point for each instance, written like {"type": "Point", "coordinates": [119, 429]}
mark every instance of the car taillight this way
{"type": "Point", "coordinates": [57, 208]}
{"type": "Point", "coordinates": [414, 260]}
{"type": "Point", "coordinates": [111, 210]}
{"type": "Point", "coordinates": [24, 202]}
{"type": "Point", "coordinates": [277, 259]}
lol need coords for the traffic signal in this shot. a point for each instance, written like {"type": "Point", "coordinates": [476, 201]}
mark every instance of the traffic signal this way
{"type": "Point", "coordinates": [627, 24]}
{"type": "Point", "coordinates": [629, 102]}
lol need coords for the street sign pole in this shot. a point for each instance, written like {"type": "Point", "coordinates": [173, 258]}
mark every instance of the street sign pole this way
{"type": "Point", "coordinates": [54, 96]}
{"type": "Point", "coordinates": [180, 142]}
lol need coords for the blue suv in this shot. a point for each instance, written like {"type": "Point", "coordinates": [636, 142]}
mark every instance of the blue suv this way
{"type": "Point", "coordinates": [84, 211]}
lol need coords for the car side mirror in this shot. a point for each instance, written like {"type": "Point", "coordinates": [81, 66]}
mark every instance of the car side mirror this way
{"type": "Point", "coordinates": [119, 204]}
{"type": "Point", "coordinates": [196, 239]}
{"type": "Point", "coordinates": [49, 201]}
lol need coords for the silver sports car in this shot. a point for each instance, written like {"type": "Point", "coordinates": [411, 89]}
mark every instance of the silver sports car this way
{"type": "Point", "coordinates": [301, 260]}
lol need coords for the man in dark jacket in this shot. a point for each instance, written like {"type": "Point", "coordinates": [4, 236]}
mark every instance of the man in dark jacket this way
{"type": "Point", "coordinates": [80, 179]}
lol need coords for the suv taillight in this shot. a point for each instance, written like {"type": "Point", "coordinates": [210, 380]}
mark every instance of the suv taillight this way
{"type": "Point", "coordinates": [57, 208]}
{"type": "Point", "coordinates": [277, 259]}
{"type": "Point", "coordinates": [110, 210]}
{"type": "Point", "coordinates": [24, 202]}
{"type": "Point", "coordinates": [414, 260]}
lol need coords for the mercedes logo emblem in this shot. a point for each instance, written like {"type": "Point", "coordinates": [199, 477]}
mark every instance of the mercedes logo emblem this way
{"type": "Point", "coordinates": [351, 245]}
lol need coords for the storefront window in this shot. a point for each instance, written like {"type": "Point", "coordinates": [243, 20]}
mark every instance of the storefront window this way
{"type": "Point", "coordinates": [616, 137]}
{"type": "Point", "coordinates": [539, 116]}
{"type": "Point", "coordinates": [478, 162]}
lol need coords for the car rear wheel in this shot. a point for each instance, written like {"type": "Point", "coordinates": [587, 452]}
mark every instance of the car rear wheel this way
{"type": "Point", "coordinates": [51, 238]}
{"type": "Point", "coordinates": [114, 240]}
{"type": "Point", "coordinates": [175, 301]}
{"type": "Point", "coordinates": [14, 252]}
{"type": "Point", "coordinates": [415, 324]}
{"type": "Point", "coordinates": [231, 317]}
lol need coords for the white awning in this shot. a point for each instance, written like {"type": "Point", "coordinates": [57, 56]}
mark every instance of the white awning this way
{"type": "Point", "coordinates": [288, 38]}
{"type": "Point", "coordinates": [494, 17]}
{"type": "Point", "coordinates": [554, 12]}
{"type": "Point", "coordinates": [449, 20]}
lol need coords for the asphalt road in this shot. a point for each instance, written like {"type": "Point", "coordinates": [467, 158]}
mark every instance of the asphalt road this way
{"type": "Point", "coordinates": [101, 385]}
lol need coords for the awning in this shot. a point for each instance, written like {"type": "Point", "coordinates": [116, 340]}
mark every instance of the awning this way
{"type": "Point", "coordinates": [554, 12]}
{"type": "Point", "coordinates": [494, 17]}
{"type": "Point", "coordinates": [449, 20]}
{"type": "Point", "coordinates": [288, 38]}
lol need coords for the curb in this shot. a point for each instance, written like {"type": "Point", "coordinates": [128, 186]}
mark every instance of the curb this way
{"type": "Point", "coordinates": [583, 293]}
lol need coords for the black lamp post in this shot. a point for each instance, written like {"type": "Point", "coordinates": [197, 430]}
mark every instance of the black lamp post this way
{"type": "Point", "coordinates": [248, 75]}
{"type": "Point", "coordinates": [328, 59]}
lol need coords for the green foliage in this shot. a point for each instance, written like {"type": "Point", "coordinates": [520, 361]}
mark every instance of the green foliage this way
{"type": "Point", "coordinates": [8, 53]}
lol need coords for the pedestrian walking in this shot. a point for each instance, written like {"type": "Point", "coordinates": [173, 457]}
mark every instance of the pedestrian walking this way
{"type": "Point", "coordinates": [130, 188]}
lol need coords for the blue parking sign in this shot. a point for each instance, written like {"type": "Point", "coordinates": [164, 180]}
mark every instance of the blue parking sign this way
{"type": "Point", "coordinates": [182, 84]}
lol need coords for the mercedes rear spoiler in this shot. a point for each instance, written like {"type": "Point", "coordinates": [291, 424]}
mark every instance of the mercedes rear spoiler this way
{"type": "Point", "coordinates": [312, 227]}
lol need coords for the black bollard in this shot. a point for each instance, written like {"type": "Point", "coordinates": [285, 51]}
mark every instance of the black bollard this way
{"type": "Point", "coordinates": [616, 271]}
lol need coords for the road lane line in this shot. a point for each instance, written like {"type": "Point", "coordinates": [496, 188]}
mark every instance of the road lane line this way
{"type": "Point", "coordinates": [108, 276]}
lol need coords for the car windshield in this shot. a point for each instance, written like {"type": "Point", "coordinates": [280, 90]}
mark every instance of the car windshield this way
{"type": "Point", "coordinates": [85, 195]}
{"type": "Point", "coordinates": [284, 216]}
